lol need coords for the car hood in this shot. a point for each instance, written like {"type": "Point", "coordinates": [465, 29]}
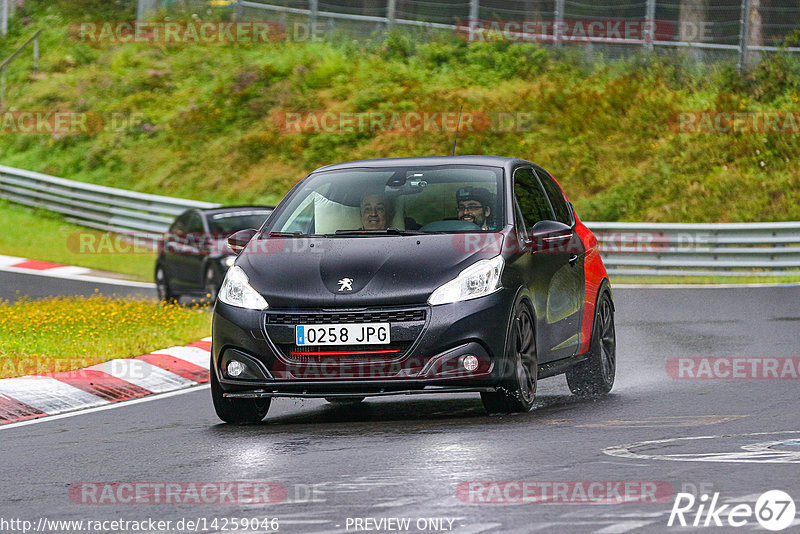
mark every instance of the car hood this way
{"type": "Point", "coordinates": [381, 270]}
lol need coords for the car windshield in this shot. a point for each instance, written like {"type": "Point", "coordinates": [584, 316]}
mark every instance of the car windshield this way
{"type": "Point", "coordinates": [395, 200]}
{"type": "Point", "coordinates": [228, 223]}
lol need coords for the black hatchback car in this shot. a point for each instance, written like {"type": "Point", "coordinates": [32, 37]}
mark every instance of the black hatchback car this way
{"type": "Point", "coordinates": [193, 255]}
{"type": "Point", "coordinates": [413, 275]}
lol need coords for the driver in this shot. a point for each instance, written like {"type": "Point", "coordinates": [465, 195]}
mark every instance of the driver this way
{"type": "Point", "coordinates": [474, 205]}
{"type": "Point", "coordinates": [376, 211]}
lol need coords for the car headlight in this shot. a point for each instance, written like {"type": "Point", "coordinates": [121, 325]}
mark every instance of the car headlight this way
{"type": "Point", "coordinates": [237, 291]}
{"type": "Point", "coordinates": [478, 280]}
{"type": "Point", "coordinates": [228, 261]}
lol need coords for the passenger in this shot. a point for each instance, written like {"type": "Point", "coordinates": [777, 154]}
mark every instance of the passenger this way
{"type": "Point", "coordinates": [376, 211]}
{"type": "Point", "coordinates": [475, 205]}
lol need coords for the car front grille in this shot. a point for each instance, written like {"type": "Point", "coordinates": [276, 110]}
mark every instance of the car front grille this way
{"type": "Point", "coordinates": [395, 316]}
{"type": "Point", "coordinates": [407, 325]}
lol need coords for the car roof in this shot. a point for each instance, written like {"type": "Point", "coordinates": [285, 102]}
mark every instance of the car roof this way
{"type": "Point", "coordinates": [490, 161]}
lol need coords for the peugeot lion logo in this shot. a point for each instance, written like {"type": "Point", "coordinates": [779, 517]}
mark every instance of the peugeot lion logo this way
{"type": "Point", "coordinates": [346, 284]}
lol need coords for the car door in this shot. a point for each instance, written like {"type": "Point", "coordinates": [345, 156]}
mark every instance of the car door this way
{"type": "Point", "coordinates": [194, 252]}
{"type": "Point", "coordinates": [174, 242]}
{"type": "Point", "coordinates": [565, 296]}
{"type": "Point", "coordinates": [549, 272]}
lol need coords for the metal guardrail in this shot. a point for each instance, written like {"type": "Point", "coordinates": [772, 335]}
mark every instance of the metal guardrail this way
{"type": "Point", "coordinates": [735, 249]}
{"type": "Point", "coordinates": [684, 249]}
{"type": "Point", "coordinates": [749, 19]}
{"type": "Point", "coordinates": [95, 206]}
{"type": "Point", "coordinates": [6, 62]}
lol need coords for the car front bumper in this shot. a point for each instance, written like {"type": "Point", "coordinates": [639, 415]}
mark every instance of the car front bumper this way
{"type": "Point", "coordinates": [429, 344]}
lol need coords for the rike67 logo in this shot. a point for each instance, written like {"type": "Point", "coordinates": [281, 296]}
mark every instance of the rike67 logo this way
{"type": "Point", "coordinates": [774, 510]}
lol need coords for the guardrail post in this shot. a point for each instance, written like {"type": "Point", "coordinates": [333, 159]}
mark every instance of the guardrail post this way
{"type": "Point", "coordinates": [391, 7]}
{"type": "Point", "coordinates": [36, 53]}
{"type": "Point", "coordinates": [558, 22]}
{"type": "Point", "coordinates": [313, 8]}
{"type": "Point", "coordinates": [474, 10]}
{"type": "Point", "coordinates": [650, 25]}
{"type": "Point", "coordinates": [4, 18]}
{"type": "Point", "coordinates": [744, 34]}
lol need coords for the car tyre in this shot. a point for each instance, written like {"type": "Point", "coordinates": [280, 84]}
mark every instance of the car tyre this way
{"type": "Point", "coordinates": [518, 389]}
{"type": "Point", "coordinates": [163, 290]}
{"type": "Point", "coordinates": [211, 285]}
{"type": "Point", "coordinates": [595, 376]}
{"type": "Point", "coordinates": [237, 411]}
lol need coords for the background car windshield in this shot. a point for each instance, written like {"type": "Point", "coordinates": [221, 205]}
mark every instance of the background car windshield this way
{"type": "Point", "coordinates": [450, 199]}
{"type": "Point", "coordinates": [228, 223]}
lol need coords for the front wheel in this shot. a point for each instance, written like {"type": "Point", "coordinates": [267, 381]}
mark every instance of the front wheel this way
{"type": "Point", "coordinates": [595, 376]}
{"type": "Point", "coordinates": [211, 286]}
{"type": "Point", "coordinates": [518, 388]}
{"type": "Point", "coordinates": [237, 411]}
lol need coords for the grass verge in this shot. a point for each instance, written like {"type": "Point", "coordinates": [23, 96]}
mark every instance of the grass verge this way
{"type": "Point", "coordinates": [43, 235]}
{"type": "Point", "coordinates": [209, 121]}
{"type": "Point", "coordinates": [61, 334]}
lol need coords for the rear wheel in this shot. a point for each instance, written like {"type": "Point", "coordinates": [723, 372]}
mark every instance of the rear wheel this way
{"type": "Point", "coordinates": [237, 411]}
{"type": "Point", "coordinates": [165, 294]}
{"type": "Point", "coordinates": [595, 376]}
{"type": "Point", "coordinates": [518, 389]}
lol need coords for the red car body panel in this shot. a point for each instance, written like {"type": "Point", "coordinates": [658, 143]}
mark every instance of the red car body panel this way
{"type": "Point", "coordinates": [594, 274]}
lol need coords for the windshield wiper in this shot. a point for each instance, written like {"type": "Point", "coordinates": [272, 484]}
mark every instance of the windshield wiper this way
{"type": "Point", "coordinates": [391, 231]}
{"type": "Point", "coordinates": [287, 234]}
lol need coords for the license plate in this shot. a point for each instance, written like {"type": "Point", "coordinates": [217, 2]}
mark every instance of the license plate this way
{"type": "Point", "coordinates": [343, 334]}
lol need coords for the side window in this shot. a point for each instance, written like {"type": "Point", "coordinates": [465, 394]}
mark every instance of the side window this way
{"type": "Point", "coordinates": [531, 198]}
{"type": "Point", "coordinates": [556, 198]}
{"type": "Point", "coordinates": [519, 222]}
{"type": "Point", "coordinates": [189, 230]}
{"type": "Point", "coordinates": [195, 225]}
{"type": "Point", "coordinates": [180, 226]}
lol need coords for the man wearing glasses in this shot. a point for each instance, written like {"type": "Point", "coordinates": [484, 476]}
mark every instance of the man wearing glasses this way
{"type": "Point", "coordinates": [474, 205]}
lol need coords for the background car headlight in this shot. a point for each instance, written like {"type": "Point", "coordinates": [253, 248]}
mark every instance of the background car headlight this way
{"type": "Point", "coordinates": [228, 261]}
{"type": "Point", "coordinates": [478, 280]}
{"type": "Point", "coordinates": [237, 291]}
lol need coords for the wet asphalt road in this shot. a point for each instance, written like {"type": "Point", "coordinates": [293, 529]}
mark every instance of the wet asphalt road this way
{"type": "Point", "coordinates": [407, 457]}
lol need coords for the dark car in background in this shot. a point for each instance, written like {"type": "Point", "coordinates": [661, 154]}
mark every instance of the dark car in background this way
{"type": "Point", "coordinates": [412, 276]}
{"type": "Point", "coordinates": [194, 256]}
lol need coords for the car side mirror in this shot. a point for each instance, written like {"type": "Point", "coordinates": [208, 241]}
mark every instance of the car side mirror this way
{"type": "Point", "coordinates": [550, 236]}
{"type": "Point", "coordinates": [239, 240]}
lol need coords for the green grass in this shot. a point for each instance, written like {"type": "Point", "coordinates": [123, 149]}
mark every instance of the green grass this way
{"type": "Point", "coordinates": [42, 235]}
{"type": "Point", "coordinates": [203, 117]}
{"type": "Point", "coordinates": [61, 334]}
